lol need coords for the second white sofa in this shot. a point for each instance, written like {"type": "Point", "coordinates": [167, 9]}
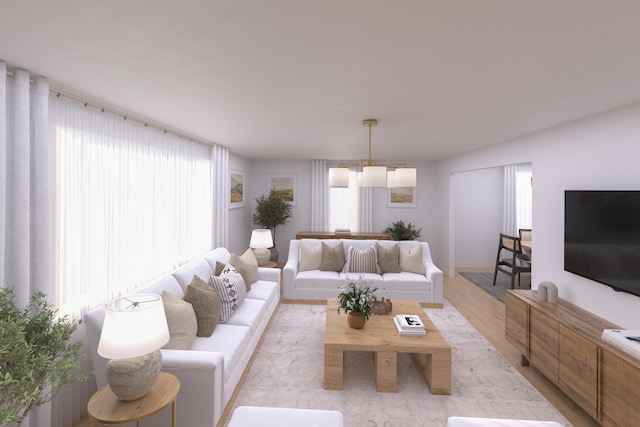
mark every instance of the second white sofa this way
{"type": "Point", "coordinates": [418, 278]}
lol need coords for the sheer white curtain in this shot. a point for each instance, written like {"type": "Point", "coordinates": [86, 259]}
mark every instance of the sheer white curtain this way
{"type": "Point", "coordinates": [509, 213]}
{"type": "Point", "coordinates": [319, 196]}
{"type": "Point", "coordinates": [366, 212]}
{"type": "Point", "coordinates": [220, 192]}
{"type": "Point", "coordinates": [344, 205]}
{"type": "Point", "coordinates": [133, 203]}
{"type": "Point", "coordinates": [524, 196]}
{"type": "Point", "coordinates": [27, 191]}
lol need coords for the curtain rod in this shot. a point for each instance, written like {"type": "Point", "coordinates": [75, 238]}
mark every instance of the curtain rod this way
{"type": "Point", "coordinates": [59, 93]}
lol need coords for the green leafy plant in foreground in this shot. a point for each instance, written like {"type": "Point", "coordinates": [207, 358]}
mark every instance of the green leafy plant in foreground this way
{"type": "Point", "coordinates": [37, 358]}
{"type": "Point", "coordinates": [356, 297]}
{"type": "Point", "coordinates": [399, 231]}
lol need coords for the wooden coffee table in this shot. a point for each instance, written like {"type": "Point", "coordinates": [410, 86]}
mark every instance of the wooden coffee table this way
{"type": "Point", "coordinates": [431, 352]}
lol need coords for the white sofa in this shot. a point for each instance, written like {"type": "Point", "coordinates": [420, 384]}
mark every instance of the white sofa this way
{"type": "Point", "coordinates": [318, 285]}
{"type": "Point", "coordinates": [210, 371]}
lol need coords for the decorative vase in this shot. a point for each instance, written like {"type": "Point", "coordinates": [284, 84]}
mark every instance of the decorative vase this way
{"type": "Point", "coordinates": [355, 320]}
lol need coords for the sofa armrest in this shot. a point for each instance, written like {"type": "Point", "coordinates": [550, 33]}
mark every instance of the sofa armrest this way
{"type": "Point", "coordinates": [269, 275]}
{"type": "Point", "coordinates": [289, 273]}
{"type": "Point", "coordinates": [201, 380]}
{"type": "Point", "coordinates": [435, 276]}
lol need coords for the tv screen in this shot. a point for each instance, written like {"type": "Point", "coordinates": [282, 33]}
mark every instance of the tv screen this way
{"type": "Point", "coordinates": [602, 237]}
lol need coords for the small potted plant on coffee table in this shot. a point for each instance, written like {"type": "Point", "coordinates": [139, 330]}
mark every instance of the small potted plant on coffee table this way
{"type": "Point", "coordinates": [355, 299]}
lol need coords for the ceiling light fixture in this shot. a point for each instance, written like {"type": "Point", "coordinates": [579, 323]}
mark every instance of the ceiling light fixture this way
{"type": "Point", "coordinates": [374, 174]}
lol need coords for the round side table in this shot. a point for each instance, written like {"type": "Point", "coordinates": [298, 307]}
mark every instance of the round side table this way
{"type": "Point", "coordinates": [107, 408]}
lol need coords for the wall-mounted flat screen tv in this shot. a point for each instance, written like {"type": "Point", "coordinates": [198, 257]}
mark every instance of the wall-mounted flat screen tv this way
{"type": "Point", "coordinates": [602, 237]}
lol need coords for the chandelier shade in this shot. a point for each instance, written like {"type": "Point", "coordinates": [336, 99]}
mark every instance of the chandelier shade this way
{"type": "Point", "coordinates": [373, 175]}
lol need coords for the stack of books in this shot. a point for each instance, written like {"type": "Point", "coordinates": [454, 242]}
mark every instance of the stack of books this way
{"type": "Point", "coordinates": [409, 324]}
{"type": "Point", "coordinates": [625, 339]}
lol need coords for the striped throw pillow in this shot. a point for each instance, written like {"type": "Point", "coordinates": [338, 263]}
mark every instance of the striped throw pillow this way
{"type": "Point", "coordinates": [361, 261]}
{"type": "Point", "coordinates": [232, 290]}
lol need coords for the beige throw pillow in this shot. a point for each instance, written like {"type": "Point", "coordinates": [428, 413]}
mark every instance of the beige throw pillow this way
{"type": "Point", "coordinates": [181, 320]}
{"type": "Point", "coordinates": [310, 256]}
{"type": "Point", "coordinates": [411, 259]}
{"type": "Point", "coordinates": [247, 266]}
{"type": "Point", "coordinates": [388, 258]}
{"type": "Point", "coordinates": [219, 268]}
{"type": "Point", "coordinates": [361, 260]}
{"type": "Point", "coordinates": [206, 304]}
{"type": "Point", "coordinates": [332, 258]}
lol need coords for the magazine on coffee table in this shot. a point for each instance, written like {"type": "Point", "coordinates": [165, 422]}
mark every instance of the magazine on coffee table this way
{"type": "Point", "coordinates": [409, 324]}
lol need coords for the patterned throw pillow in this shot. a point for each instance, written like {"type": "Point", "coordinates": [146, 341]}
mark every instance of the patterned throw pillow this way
{"type": "Point", "coordinates": [247, 265]}
{"type": "Point", "coordinates": [361, 260]}
{"type": "Point", "coordinates": [206, 304]}
{"type": "Point", "coordinates": [388, 258]}
{"type": "Point", "coordinates": [332, 258]}
{"type": "Point", "coordinates": [310, 256]}
{"type": "Point", "coordinates": [232, 290]}
{"type": "Point", "coordinates": [411, 259]}
{"type": "Point", "coordinates": [181, 320]}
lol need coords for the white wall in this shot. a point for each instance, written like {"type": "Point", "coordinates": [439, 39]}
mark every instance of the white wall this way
{"type": "Point", "coordinates": [239, 219]}
{"type": "Point", "coordinates": [599, 153]}
{"type": "Point", "coordinates": [478, 200]}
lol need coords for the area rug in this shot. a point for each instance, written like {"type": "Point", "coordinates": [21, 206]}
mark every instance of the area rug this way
{"type": "Point", "coordinates": [503, 282]}
{"type": "Point", "coordinates": [288, 372]}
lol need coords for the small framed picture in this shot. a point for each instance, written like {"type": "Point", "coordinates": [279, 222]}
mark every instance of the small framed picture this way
{"type": "Point", "coordinates": [285, 185]}
{"type": "Point", "coordinates": [236, 189]}
{"type": "Point", "coordinates": [402, 197]}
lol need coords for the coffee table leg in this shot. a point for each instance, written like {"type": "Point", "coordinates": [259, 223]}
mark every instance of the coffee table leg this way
{"type": "Point", "coordinates": [386, 366]}
{"type": "Point", "coordinates": [436, 369]}
{"type": "Point", "coordinates": [333, 367]}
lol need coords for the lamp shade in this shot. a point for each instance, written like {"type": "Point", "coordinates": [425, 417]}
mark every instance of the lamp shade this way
{"type": "Point", "coordinates": [133, 326]}
{"type": "Point", "coordinates": [391, 179]}
{"type": "Point", "coordinates": [374, 176]}
{"type": "Point", "coordinates": [261, 239]}
{"type": "Point", "coordinates": [339, 177]}
{"type": "Point", "coordinates": [406, 177]}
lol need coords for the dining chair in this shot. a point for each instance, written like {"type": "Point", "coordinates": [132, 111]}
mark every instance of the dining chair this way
{"type": "Point", "coordinates": [510, 259]}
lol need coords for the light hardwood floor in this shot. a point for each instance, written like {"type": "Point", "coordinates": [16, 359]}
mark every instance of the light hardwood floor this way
{"type": "Point", "coordinates": [486, 314]}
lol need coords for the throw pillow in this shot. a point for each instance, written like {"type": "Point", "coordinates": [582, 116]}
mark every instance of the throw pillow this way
{"type": "Point", "coordinates": [232, 291]}
{"type": "Point", "coordinates": [206, 304]}
{"type": "Point", "coordinates": [181, 320]}
{"type": "Point", "coordinates": [310, 256]}
{"type": "Point", "coordinates": [219, 268]}
{"type": "Point", "coordinates": [361, 260]}
{"type": "Point", "coordinates": [332, 258]}
{"type": "Point", "coordinates": [411, 259]}
{"type": "Point", "coordinates": [247, 266]}
{"type": "Point", "coordinates": [388, 258]}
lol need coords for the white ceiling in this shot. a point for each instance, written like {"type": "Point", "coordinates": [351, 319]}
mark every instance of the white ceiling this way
{"type": "Point", "coordinates": [294, 79]}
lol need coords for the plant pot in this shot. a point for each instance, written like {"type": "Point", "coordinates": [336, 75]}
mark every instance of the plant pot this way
{"type": "Point", "coordinates": [355, 320]}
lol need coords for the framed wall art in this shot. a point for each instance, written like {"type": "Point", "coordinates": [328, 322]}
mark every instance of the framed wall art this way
{"type": "Point", "coordinates": [236, 189]}
{"type": "Point", "coordinates": [285, 185]}
{"type": "Point", "coordinates": [402, 197]}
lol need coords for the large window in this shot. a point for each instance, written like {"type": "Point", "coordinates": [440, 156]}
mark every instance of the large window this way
{"type": "Point", "coordinates": [133, 203]}
{"type": "Point", "coordinates": [344, 206]}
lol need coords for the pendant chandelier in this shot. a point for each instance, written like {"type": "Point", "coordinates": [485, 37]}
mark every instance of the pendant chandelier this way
{"type": "Point", "coordinates": [373, 174]}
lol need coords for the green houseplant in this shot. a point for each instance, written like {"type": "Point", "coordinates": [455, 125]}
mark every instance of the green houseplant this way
{"type": "Point", "coordinates": [37, 358]}
{"type": "Point", "coordinates": [271, 211]}
{"type": "Point", "coordinates": [355, 298]}
{"type": "Point", "coordinates": [399, 231]}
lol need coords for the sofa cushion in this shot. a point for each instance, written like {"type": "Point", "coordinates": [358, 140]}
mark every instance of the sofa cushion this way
{"type": "Point", "coordinates": [406, 281]}
{"type": "Point", "coordinates": [229, 340]}
{"type": "Point", "coordinates": [388, 258]}
{"type": "Point", "coordinates": [310, 256]}
{"type": "Point", "coordinates": [332, 257]}
{"type": "Point", "coordinates": [411, 259]}
{"type": "Point", "coordinates": [247, 266]}
{"type": "Point", "coordinates": [207, 305]}
{"type": "Point", "coordinates": [264, 290]}
{"type": "Point", "coordinates": [184, 275]}
{"type": "Point", "coordinates": [231, 288]}
{"type": "Point", "coordinates": [250, 313]}
{"type": "Point", "coordinates": [361, 260]}
{"type": "Point", "coordinates": [181, 320]}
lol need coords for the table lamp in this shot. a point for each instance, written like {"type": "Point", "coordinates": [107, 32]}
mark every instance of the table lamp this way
{"type": "Point", "coordinates": [134, 330]}
{"type": "Point", "coordinates": [261, 240]}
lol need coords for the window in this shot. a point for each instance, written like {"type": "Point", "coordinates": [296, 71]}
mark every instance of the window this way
{"type": "Point", "coordinates": [524, 196]}
{"type": "Point", "coordinates": [132, 204]}
{"type": "Point", "coordinates": [344, 205]}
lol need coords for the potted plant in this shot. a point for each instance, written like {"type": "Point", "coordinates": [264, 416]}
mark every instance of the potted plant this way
{"type": "Point", "coordinates": [37, 358]}
{"type": "Point", "coordinates": [399, 231]}
{"type": "Point", "coordinates": [271, 211]}
{"type": "Point", "coordinates": [355, 299]}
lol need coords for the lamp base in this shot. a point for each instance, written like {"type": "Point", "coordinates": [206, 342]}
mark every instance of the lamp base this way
{"type": "Point", "coordinates": [262, 255]}
{"type": "Point", "coordinates": [132, 378]}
